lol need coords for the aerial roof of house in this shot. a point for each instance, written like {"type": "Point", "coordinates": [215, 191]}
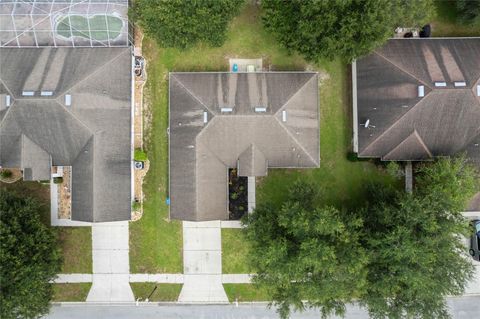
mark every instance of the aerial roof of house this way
{"type": "Point", "coordinates": [421, 99]}
{"type": "Point", "coordinates": [249, 121]}
{"type": "Point", "coordinates": [70, 107]}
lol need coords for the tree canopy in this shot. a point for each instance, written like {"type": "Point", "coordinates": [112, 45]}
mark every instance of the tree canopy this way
{"type": "Point", "coordinates": [469, 11]}
{"type": "Point", "coordinates": [340, 28]}
{"type": "Point", "coordinates": [29, 258]}
{"type": "Point", "coordinates": [302, 252]}
{"type": "Point", "coordinates": [181, 24]}
{"type": "Point", "coordinates": [400, 255]}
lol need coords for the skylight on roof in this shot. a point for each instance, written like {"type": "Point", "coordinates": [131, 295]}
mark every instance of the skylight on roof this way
{"type": "Point", "coordinates": [46, 93]}
{"type": "Point", "coordinates": [478, 90]}
{"type": "Point", "coordinates": [28, 93]}
{"type": "Point", "coordinates": [7, 100]}
{"type": "Point", "coordinates": [205, 117]}
{"type": "Point", "coordinates": [284, 116]}
{"type": "Point", "coordinates": [440, 84]}
{"type": "Point", "coordinates": [421, 91]}
{"type": "Point", "coordinates": [260, 109]}
{"type": "Point", "coordinates": [226, 109]}
{"type": "Point", "coordinates": [460, 84]}
{"type": "Point", "coordinates": [68, 99]}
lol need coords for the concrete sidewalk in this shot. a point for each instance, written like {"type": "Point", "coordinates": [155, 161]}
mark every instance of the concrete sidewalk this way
{"type": "Point", "coordinates": [111, 267]}
{"type": "Point", "coordinates": [202, 263]}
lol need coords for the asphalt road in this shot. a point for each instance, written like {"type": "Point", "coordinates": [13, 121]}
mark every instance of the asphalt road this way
{"type": "Point", "coordinates": [461, 308]}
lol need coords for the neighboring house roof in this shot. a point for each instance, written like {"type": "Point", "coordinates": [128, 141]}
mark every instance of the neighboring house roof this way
{"type": "Point", "coordinates": [93, 134]}
{"type": "Point", "coordinates": [406, 126]}
{"type": "Point", "coordinates": [268, 119]}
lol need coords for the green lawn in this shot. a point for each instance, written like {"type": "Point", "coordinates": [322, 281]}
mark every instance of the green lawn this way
{"type": "Point", "coordinates": [75, 242]}
{"type": "Point", "coordinates": [164, 292]}
{"type": "Point", "coordinates": [76, 245]}
{"type": "Point", "coordinates": [71, 292]}
{"type": "Point", "coordinates": [446, 23]}
{"type": "Point", "coordinates": [234, 252]}
{"type": "Point", "coordinates": [245, 293]}
{"type": "Point", "coordinates": [156, 242]}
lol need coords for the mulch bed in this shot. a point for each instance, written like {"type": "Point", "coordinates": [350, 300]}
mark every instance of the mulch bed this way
{"type": "Point", "coordinates": [237, 195]}
{"type": "Point", "coordinates": [16, 175]}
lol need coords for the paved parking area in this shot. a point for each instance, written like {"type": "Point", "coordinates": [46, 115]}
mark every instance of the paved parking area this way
{"type": "Point", "coordinates": [202, 263]}
{"type": "Point", "coordinates": [111, 267]}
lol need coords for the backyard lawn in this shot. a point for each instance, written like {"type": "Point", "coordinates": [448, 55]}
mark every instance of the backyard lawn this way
{"type": "Point", "coordinates": [164, 292]}
{"type": "Point", "coordinates": [446, 22]}
{"type": "Point", "coordinates": [75, 242]}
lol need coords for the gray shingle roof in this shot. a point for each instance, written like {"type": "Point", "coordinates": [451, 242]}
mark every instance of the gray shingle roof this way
{"type": "Point", "coordinates": [404, 126]}
{"type": "Point", "coordinates": [252, 162]}
{"type": "Point", "coordinates": [93, 134]}
{"type": "Point", "coordinates": [205, 141]}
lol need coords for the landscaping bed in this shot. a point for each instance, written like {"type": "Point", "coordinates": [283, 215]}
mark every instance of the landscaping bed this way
{"type": "Point", "coordinates": [237, 194]}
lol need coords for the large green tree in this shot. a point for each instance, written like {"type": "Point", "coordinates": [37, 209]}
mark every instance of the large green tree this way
{"type": "Point", "coordinates": [400, 256]}
{"type": "Point", "coordinates": [417, 257]}
{"type": "Point", "coordinates": [302, 252]}
{"type": "Point", "coordinates": [469, 11]}
{"type": "Point", "coordinates": [180, 23]}
{"type": "Point", "coordinates": [340, 28]}
{"type": "Point", "coordinates": [29, 258]}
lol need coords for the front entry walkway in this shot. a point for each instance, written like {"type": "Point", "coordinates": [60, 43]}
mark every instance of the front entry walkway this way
{"type": "Point", "coordinates": [111, 268]}
{"type": "Point", "coordinates": [202, 263]}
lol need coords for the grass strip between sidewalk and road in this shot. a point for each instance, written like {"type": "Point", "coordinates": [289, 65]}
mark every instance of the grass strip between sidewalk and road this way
{"type": "Point", "coordinates": [71, 292]}
{"type": "Point", "coordinates": [245, 293]}
{"type": "Point", "coordinates": [164, 292]}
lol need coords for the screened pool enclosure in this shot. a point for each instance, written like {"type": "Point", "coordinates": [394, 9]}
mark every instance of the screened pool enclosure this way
{"type": "Point", "coordinates": [64, 23]}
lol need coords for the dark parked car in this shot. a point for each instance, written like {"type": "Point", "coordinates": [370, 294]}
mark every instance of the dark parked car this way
{"type": "Point", "coordinates": [475, 241]}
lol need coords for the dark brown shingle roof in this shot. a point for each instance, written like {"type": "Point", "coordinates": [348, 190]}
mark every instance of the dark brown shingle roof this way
{"type": "Point", "coordinates": [406, 126]}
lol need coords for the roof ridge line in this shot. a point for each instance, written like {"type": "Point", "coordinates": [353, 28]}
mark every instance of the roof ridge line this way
{"type": "Point", "coordinates": [296, 141]}
{"type": "Point", "coordinates": [90, 75]}
{"type": "Point", "coordinates": [419, 139]}
{"type": "Point", "coordinates": [191, 93]}
{"type": "Point", "coordinates": [8, 109]}
{"type": "Point", "coordinates": [74, 116]}
{"type": "Point", "coordinates": [403, 70]}
{"type": "Point", "coordinates": [414, 107]}
{"type": "Point", "coordinates": [294, 94]}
